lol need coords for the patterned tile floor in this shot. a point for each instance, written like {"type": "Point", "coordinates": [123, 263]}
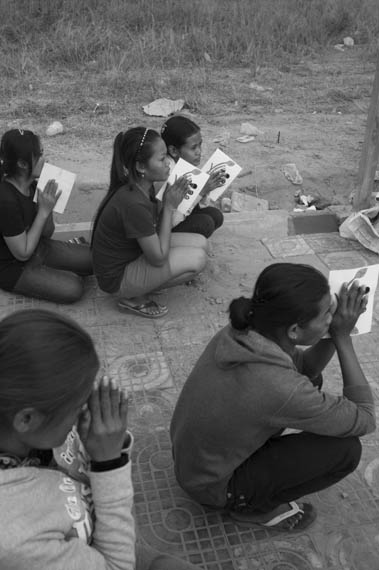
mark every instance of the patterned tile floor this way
{"type": "Point", "coordinates": [153, 358]}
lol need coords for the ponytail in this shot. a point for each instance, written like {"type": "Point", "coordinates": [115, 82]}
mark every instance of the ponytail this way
{"type": "Point", "coordinates": [119, 176]}
{"type": "Point", "coordinates": [240, 313]}
{"type": "Point", "coordinates": [129, 147]}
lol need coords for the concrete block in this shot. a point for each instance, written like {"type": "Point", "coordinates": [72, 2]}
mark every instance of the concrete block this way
{"type": "Point", "coordinates": [341, 212]}
{"type": "Point", "coordinates": [64, 232]}
{"type": "Point", "coordinates": [309, 222]}
{"type": "Point", "coordinates": [245, 202]}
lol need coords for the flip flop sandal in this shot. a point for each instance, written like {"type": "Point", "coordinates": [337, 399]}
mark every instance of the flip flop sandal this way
{"type": "Point", "coordinates": [77, 240]}
{"type": "Point", "coordinates": [141, 309]}
{"type": "Point", "coordinates": [307, 511]}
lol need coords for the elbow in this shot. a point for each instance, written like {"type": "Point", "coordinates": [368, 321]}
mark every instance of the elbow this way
{"type": "Point", "coordinates": [22, 257]}
{"type": "Point", "coordinates": [371, 427]}
{"type": "Point", "coordinates": [157, 261]}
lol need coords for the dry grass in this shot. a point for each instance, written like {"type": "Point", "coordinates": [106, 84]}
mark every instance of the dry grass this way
{"type": "Point", "coordinates": [97, 61]}
{"type": "Point", "coordinates": [116, 38]}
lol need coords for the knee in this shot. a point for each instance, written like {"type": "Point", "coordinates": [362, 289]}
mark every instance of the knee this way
{"type": "Point", "coordinates": [200, 260]}
{"type": "Point", "coordinates": [353, 452]}
{"type": "Point", "coordinates": [218, 218]}
{"type": "Point", "coordinates": [206, 226]}
{"type": "Point", "coordinates": [73, 291]}
{"type": "Point", "coordinates": [202, 242]}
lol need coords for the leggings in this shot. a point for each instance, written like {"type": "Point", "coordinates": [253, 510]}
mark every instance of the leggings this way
{"type": "Point", "coordinates": [287, 467]}
{"type": "Point", "coordinates": [55, 271]}
{"type": "Point", "coordinates": [202, 221]}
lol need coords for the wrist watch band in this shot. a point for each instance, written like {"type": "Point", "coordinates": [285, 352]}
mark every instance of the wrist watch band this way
{"type": "Point", "coordinates": [100, 466]}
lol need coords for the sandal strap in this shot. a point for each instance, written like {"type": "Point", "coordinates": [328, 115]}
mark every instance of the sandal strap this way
{"type": "Point", "coordinates": [295, 509]}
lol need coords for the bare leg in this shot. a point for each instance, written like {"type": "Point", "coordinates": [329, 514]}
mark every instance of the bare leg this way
{"type": "Point", "coordinates": [182, 239]}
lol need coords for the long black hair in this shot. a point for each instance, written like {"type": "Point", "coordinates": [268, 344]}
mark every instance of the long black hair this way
{"type": "Point", "coordinates": [17, 145]}
{"type": "Point", "coordinates": [129, 148]}
{"type": "Point", "coordinates": [284, 294]}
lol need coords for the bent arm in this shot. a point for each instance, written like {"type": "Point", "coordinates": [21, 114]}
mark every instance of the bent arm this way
{"type": "Point", "coordinates": [156, 247]}
{"type": "Point", "coordinates": [49, 226]}
{"type": "Point", "coordinates": [23, 245]}
{"type": "Point", "coordinates": [316, 358]}
{"type": "Point", "coordinates": [308, 409]}
{"type": "Point", "coordinates": [113, 544]}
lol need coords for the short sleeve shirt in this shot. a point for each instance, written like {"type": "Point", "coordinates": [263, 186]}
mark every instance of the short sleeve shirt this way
{"type": "Point", "coordinates": [128, 216]}
{"type": "Point", "coordinates": [17, 214]}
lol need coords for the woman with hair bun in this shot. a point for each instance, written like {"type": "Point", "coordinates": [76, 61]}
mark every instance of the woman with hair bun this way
{"type": "Point", "coordinates": [252, 381]}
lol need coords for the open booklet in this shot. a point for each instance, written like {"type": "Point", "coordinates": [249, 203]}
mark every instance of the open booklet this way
{"type": "Point", "coordinates": [65, 180]}
{"type": "Point", "coordinates": [219, 160]}
{"type": "Point", "coordinates": [197, 179]}
{"type": "Point", "coordinates": [367, 276]}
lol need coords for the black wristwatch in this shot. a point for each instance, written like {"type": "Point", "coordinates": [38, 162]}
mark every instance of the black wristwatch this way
{"type": "Point", "coordinates": [99, 466]}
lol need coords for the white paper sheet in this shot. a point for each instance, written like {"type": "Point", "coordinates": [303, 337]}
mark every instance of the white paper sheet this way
{"type": "Point", "coordinates": [65, 180]}
{"type": "Point", "coordinates": [197, 178]}
{"type": "Point", "coordinates": [367, 276]}
{"type": "Point", "coordinates": [217, 161]}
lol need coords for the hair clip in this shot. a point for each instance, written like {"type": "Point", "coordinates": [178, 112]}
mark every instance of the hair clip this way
{"type": "Point", "coordinates": [163, 128]}
{"type": "Point", "coordinates": [142, 141]}
{"type": "Point", "coordinates": [21, 131]}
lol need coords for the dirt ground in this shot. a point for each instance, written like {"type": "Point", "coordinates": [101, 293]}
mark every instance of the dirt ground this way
{"type": "Point", "coordinates": [319, 105]}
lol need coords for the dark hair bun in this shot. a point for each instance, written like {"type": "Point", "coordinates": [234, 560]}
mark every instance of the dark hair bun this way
{"type": "Point", "coordinates": [239, 313]}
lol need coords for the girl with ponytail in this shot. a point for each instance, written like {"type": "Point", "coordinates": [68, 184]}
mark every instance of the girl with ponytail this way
{"type": "Point", "coordinates": [252, 382]}
{"type": "Point", "coordinates": [31, 263]}
{"type": "Point", "coordinates": [134, 252]}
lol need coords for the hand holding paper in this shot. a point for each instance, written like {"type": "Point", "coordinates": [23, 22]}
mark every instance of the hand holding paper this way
{"type": "Point", "coordinates": [65, 181]}
{"type": "Point", "coordinates": [197, 179]}
{"type": "Point", "coordinates": [217, 162]}
{"type": "Point", "coordinates": [48, 198]}
{"type": "Point", "coordinates": [175, 192]}
{"type": "Point", "coordinates": [361, 276]}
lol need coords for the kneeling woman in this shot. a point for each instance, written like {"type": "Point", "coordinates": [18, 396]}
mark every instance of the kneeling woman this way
{"type": "Point", "coordinates": [134, 252]}
{"type": "Point", "coordinates": [252, 382]}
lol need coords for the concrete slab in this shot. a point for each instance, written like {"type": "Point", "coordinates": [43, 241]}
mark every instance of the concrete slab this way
{"type": "Point", "coordinates": [287, 247]}
{"type": "Point", "coordinates": [309, 222]}
{"type": "Point", "coordinates": [153, 359]}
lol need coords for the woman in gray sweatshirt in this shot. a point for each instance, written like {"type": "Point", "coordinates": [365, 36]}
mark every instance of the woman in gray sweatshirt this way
{"type": "Point", "coordinates": [252, 382]}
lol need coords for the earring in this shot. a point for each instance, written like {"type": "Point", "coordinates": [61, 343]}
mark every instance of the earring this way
{"type": "Point", "coordinates": [142, 175]}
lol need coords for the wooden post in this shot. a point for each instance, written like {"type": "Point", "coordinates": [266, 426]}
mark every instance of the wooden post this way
{"type": "Point", "coordinates": [370, 152]}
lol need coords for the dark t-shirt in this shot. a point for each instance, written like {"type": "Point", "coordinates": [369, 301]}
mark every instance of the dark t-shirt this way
{"type": "Point", "coordinates": [128, 215]}
{"type": "Point", "coordinates": [17, 213]}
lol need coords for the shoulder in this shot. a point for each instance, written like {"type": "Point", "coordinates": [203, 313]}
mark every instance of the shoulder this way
{"type": "Point", "coordinates": [7, 192]}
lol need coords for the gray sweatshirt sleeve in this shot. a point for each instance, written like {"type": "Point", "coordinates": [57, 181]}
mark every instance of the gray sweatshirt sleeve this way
{"type": "Point", "coordinates": [113, 545]}
{"type": "Point", "coordinates": [306, 408]}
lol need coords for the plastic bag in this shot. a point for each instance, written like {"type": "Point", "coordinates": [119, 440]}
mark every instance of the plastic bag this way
{"type": "Point", "coordinates": [363, 226]}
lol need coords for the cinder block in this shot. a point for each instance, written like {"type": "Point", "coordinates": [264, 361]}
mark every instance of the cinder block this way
{"type": "Point", "coordinates": [341, 212]}
{"type": "Point", "coordinates": [309, 222]}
